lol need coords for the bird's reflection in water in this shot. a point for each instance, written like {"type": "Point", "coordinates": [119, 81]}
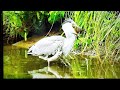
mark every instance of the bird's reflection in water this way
{"type": "Point", "coordinates": [50, 72]}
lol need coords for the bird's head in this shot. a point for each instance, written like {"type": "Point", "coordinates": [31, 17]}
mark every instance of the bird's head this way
{"type": "Point", "coordinates": [69, 26]}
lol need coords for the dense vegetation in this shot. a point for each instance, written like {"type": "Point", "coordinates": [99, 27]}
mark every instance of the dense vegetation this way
{"type": "Point", "coordinates": [103, 33]}
{"type": "Point", "coordinates": [22, 23]}
{"type": "Point", "coordinates": [102, 28]}
{"type": "Point", "coordinates": [102, 36]}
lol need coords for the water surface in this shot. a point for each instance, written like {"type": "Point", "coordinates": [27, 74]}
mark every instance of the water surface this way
{"type": "Point", "coordinates": [18, 65]}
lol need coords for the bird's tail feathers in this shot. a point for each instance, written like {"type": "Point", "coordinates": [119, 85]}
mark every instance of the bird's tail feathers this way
{"type": "Point", "coordinates": [30, 50]}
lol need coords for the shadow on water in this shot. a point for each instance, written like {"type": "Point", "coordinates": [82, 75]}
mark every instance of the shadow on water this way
{"type": "Point", "coordinates": [18, 65]}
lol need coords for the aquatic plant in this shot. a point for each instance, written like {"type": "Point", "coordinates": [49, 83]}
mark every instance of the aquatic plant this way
{"type": "Point", "coordinates": [102, 33]}
{"type": "Point", "coordinates": [102, 36]}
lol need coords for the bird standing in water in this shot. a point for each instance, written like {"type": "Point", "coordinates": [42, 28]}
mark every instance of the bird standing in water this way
{"type": "Point", "coordinates": [50, 48]}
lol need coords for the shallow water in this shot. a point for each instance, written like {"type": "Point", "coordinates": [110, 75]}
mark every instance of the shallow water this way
{"type": "Point", "coordinates": [18, 65]}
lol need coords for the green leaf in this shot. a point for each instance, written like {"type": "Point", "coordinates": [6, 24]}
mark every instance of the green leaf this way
{"type": "Point", "coordinates": [89, 41]}
{"type": "Point", "coordinates": [38, 16]}
{"type": "Point", "coordinates": [55, 16]}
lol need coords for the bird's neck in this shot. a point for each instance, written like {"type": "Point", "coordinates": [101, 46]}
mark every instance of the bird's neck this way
{"type": "Point", "coordinates": [71, 37]}
{"type": "Point", "coordinates": [68, 44]}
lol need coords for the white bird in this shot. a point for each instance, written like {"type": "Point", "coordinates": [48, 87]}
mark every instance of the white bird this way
{"type": "Point", "coordinates": [50, 48]}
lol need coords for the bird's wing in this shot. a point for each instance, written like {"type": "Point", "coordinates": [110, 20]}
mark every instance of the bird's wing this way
{"type": "Point", "coordinates": [47, 46]}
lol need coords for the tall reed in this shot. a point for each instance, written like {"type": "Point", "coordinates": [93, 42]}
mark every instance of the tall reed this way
{"type": "Point", "coordinates": [102, 36]}
{"type": "Point", "coordinates": [102, 33]}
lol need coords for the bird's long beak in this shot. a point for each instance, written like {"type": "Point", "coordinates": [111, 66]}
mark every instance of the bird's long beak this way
{"type": "Point", "coordinates": [77, 29]}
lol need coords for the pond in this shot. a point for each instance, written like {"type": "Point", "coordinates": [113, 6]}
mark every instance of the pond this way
{"type": "Point", "coordinates": [18, 65]}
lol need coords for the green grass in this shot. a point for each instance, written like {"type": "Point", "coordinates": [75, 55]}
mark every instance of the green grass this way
{"type": "Point", "coordinates": [102, 36]}
{"type": "Point", "coordinates": [102, 32]}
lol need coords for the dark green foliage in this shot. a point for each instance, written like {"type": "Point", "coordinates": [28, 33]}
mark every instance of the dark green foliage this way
{"type": "Point", "coordinates": [22, 22]}
{"type": "Point", "coordinates": [55, 16]}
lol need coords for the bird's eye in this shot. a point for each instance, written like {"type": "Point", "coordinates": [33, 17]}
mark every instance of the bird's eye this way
{"type": "Point", "coordinates": [73, 26]}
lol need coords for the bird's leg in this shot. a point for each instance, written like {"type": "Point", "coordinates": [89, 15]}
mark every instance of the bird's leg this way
{"type": "Point", "coordinates": [46, 56]}
{"type": "Point", "coordinates": [62, 61]}
{"type": "Point", "coordinates": [48, 65]}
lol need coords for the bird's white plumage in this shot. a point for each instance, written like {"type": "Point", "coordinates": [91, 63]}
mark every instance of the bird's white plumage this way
{"type": "Point", "coordinates": [55, 45]}
{"type": "Point", "coordinates": [47, 46]}
{"type": "Point", "coordinates": [67, 47]}
{"type": "Point", "coordinates": [69, 30]}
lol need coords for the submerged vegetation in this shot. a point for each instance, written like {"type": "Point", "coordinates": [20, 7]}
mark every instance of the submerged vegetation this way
{"type": "Point", "coordinates": [99, 44]}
